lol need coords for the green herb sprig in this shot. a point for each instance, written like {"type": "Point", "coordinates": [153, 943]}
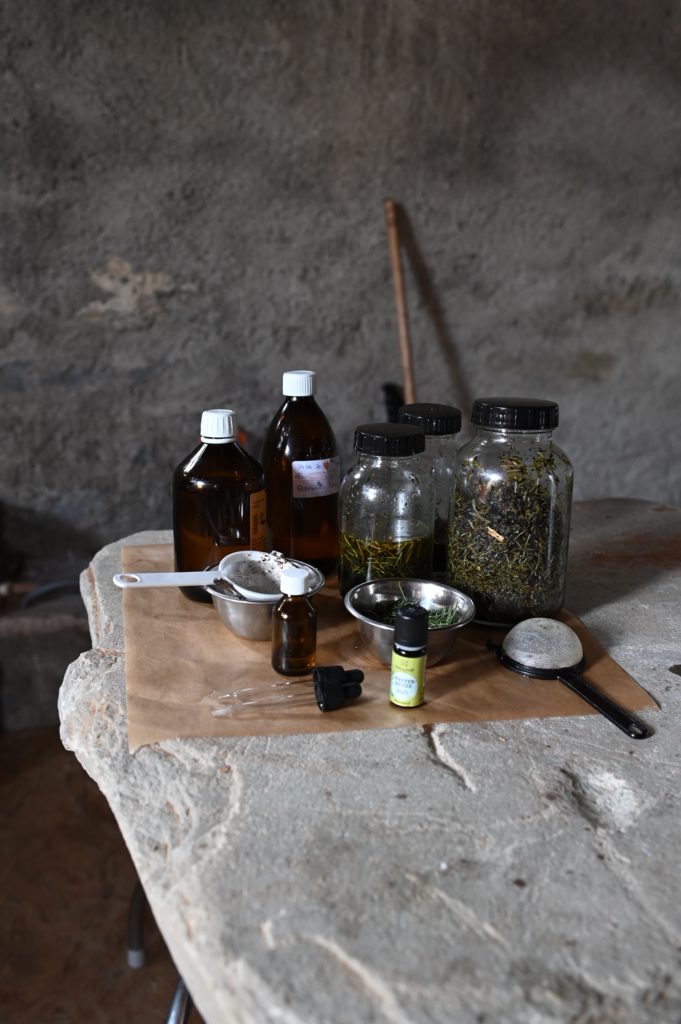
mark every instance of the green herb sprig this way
{"type": "Point", "coordinates": [438, 618]}
{"type": "Point", "coordinates": [367, 559]}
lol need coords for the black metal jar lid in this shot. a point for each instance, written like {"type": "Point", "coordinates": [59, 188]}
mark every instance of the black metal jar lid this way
{"type": "Point", "coordinates": [515, 413]}
{"type": "Point", "coordinates": [433, 418]}
{"type": "Point", "coordinates": [389, 439]}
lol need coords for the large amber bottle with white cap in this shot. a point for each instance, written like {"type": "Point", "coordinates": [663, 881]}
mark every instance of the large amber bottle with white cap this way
{"type": "Point", "coordinates": [302, 476]}
{"type": "Point", "coordinates": [218, 500]}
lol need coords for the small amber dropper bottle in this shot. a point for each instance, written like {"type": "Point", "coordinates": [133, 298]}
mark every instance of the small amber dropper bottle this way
{"type": "Point", "coordinates": [294, 626]}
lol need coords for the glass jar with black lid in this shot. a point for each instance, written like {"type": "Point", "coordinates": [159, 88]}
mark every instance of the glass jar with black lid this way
{"type": "Point", "coordinates": [441, 425]}
{"type": "Point", "coordinates": [509, 517]}
{"type": "Point", "coordinates": [386, 507]}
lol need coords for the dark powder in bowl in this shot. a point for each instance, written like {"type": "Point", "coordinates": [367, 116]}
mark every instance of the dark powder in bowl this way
{"type": "Point", "coordinates": [255, 577]}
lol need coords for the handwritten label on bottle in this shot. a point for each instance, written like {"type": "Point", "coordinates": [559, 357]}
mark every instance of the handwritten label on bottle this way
{"type": "Point", "coordinates": [315, 478]}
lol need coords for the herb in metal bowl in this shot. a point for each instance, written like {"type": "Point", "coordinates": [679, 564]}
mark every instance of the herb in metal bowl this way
{"type": "Point", "coordinates": [438, 618]}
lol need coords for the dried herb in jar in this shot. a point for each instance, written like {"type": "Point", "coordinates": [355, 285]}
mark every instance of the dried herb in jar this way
{"type": "Point", "coordinates": [507, 537]}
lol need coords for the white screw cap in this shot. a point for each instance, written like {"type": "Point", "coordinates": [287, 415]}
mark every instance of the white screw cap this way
{"type": "Point", "coordinates": [298, 382]}
{"type": "Point", "coordinates": [293, 581]}
{"type": "Point", "coordinates": [218, 426]}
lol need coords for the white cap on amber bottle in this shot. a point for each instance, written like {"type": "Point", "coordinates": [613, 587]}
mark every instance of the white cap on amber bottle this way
{"type": "Point", "coordinates": [293, 581]}
{"type": "Point", "coordinates": [218, 426]}
{"type": "Point", "coordinates": [298, 383]}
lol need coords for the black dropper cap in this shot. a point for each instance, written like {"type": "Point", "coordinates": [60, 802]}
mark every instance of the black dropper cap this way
{"type": "Point", "coordinates": [333, 686]}
{"type": "Point", "coordinates": [411, 626]}
{"type": "Point", "coordinates": [433, 418]}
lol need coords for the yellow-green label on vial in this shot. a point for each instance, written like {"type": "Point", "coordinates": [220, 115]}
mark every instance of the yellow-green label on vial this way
{"type": "Point", "coordinates": [407, 677]}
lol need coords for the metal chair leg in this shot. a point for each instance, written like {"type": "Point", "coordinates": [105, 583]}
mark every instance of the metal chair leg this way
{"type": "Point", "coordinates": [137, 956]}
{"type": "Point", "coordinates": [181, 1006]}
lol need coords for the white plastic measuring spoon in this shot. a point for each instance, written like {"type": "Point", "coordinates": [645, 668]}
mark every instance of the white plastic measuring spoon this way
{"type": "Point", "coordinates": [234, 573]}
{"type": "Point", "coordinates": [168, 579]}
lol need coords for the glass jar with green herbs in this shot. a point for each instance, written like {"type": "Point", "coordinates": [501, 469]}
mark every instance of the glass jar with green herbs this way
{"type": "Point", "coordinates": [509, 518]}
{"type": "Point", "coordinates": [386, 507]}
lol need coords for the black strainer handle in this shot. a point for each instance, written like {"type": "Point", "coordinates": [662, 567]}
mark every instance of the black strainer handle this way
{"type": "Point", "coordinates": [624, 720]}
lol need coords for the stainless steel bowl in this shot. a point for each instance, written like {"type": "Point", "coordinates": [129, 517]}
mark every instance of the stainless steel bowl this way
{"type": "Point", "coordinates": [371, 601]}
{"type": "Point", "coordinates": [252, 620]}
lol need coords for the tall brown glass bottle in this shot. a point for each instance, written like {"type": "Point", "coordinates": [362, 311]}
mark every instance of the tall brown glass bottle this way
{"type": "Point", "coordinates": [302, 477]}
{"type": "Point", "coordinates": [218, 500]}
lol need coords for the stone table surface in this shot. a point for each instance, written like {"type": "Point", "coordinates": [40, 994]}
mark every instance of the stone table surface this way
{"type": "Point", "coordinates": [501, 872]}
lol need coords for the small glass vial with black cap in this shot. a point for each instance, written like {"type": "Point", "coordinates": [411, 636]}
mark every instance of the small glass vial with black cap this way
{"type": "Point", "coordinates": [294, 626]}
{"type": "Point", "coordinates": [386, 507]}
{"type": "Point", "coordinates": [408, 663]}
{"type": "Point", "coordinates": [509, 518]}
{"type": "Point", "coordinates": [441, 425]}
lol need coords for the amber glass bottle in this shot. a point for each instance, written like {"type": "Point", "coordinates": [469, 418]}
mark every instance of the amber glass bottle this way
{"type": "Point", "coordinates": [302, 477]}
{"type": "Point", "coordinates": [218, 500]}
{"type": "Point", "coordinates": [294, 626]}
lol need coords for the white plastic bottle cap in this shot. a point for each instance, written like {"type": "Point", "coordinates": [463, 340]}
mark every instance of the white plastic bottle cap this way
{"type": "Point", "coordinates": [293, 581]}
{"type": "Point", "coordinates": [218, 426]}
{"type": "Point", "coordinates": [298, 382]}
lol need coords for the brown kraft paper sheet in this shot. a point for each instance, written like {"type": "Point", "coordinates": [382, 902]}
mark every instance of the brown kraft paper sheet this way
{"type": "Point", "coordinates": [179, 656]}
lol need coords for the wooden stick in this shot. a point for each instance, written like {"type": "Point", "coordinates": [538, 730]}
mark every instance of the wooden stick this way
{"type": "Point", "coordinates": [406, 357]}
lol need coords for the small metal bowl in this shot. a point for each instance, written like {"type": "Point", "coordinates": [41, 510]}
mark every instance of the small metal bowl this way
{"type": "Point", "coordinates": [252, 620]}
{"type": "Point", "coordinates": [376, 597]}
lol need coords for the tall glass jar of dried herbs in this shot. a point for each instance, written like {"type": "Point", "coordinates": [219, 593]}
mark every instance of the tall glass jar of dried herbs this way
{"type": "Point", "coordinates": [386, 507]}
{"type": "Point", "coordinates": [509, 518]}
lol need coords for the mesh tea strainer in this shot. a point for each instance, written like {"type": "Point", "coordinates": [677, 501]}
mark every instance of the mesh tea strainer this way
{"type": "Point", "coordinates": [547, 649]}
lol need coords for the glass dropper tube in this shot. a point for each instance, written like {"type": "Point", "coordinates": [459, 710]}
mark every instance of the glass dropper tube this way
{"type": "Point", "coordinates": [287, 691]}
{"type": "Point", "coordinates": [331, 687]}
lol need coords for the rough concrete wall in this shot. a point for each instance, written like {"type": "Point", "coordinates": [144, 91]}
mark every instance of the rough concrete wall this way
{"type": "Point", "coordinates": [192, 202]}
